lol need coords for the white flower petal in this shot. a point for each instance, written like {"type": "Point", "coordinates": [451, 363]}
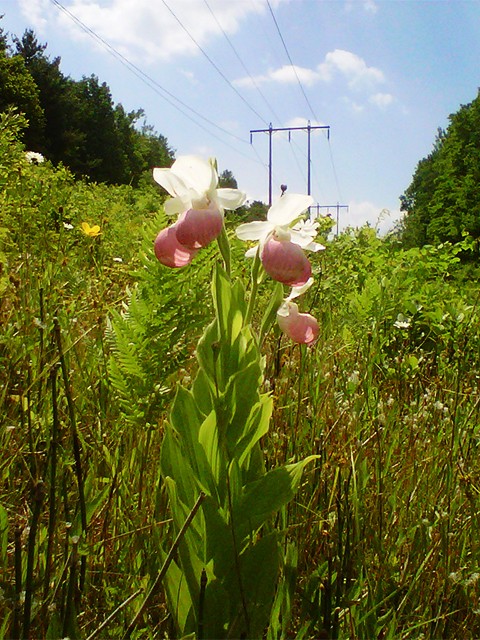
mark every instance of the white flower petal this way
{"type": "Point", "coordinates": [196, 172]}
{"type": "Point", "coordinates": [257, 230]}
{"type": "Point", "coordinates": [230, 198]}
{"type": "Point", "coordinates": [169, 181]}
{"type": "Point", "coordinates": [251, 253]}
{"type": "Point", "coordinates": [174, 206]}
{"type": "Point", "coordinates": [287, 308]}
{"type": "Point", "coordinates": [298, 291]}
{"type": "Point", "coordinates": [301, 238]}
{"type": "Point", "coordinates": [314, 246]}
{"type": "Point", "coordinates": [287, 208]}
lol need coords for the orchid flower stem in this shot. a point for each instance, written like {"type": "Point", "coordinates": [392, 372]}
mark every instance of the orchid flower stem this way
{"type": "Point", "coordinates": [253, 292]}
{"type": "Point", "coordinates": [224, 246]}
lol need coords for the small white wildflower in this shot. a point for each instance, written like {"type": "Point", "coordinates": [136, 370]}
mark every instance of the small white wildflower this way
{"type": "Point", "coordinates": [34, 157]}
{"type": "Point", "coordinates": [67, 226]}
{"type": "Point", "coordinates": [402, 322]}
{"type": "Point", "coordinates": [118, 260]}
{"type": "Point", "coordinates": [354, 377]}
{"type": "Point", "coordinates": [439, 406]}
{"type": "Point", "coordinates": [472, 580]}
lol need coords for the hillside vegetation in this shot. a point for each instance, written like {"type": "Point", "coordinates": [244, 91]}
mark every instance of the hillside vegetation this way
{"type": "Point", "coordinates": [381, 539]}
{"type": "Point", "coordinates": [383, 536]}
{"type": "Point", "coordinates": [442, 202]}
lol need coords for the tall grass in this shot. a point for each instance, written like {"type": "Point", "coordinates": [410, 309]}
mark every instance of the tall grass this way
{"type": "Point", "coordinates": [383, 538]}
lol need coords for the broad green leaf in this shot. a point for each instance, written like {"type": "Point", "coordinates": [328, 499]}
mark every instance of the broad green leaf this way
{"type": "Point", "coordinates": [270, 314]}
{"type": "Point", "coordinates": [178, 595]}
{"type": "Point", "coordinates": [190, 556]}
{"type": "Point", "coordinates": [260, 567]}
{"type": "Point", "coordinates": [257, 426]}
{"type": "Point", "coordinates": [209, 439]}
{"type": "Point", "coordinates": [174, 464]}
{"type": "Point", "coordinates": [202, 391]}
{"type": "Point", "coordinates": [282, 609]}
{"type": "Point", "coordinates": [267, 495]}
{"type": "Point", "coordinates": [216, 610]}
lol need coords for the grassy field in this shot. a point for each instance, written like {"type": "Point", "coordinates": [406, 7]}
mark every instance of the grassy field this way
{"type": "Point", "coordinates": [383, 537]}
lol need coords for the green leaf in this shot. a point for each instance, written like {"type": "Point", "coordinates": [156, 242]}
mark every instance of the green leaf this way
{"type": "Point", "coordinates": [3, 535]}
{"type": "Point", "coordinates": [259, 568]}
{"type": "Point", "coordinates": [270, 314]}
{"type": "Point", "coordinates": [282, 608]}
{"type": "Point", "coordinates": [266, 496]}
{"type": "Point", "coordinates": [54, 630]}
{"type": "Point", "coordinates": [209, 439]}
{"type": "Point", "coordinates": [224, 246]}
{"type": "Point", "coordinates": [178, 595]}
{"type": "Point", "coordinates": [257, 426]}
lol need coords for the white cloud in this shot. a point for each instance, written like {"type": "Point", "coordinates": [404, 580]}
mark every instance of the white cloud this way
{"type": "Point", "coordinates": [37, 12]}
{"type": "Point", "coordinates": [369, 6]}
{"type": "Point", "coordinates": [287, 74]}
{"type": "Point", "coordinates": [365, 212]}
{"type": "Point", "coordinates": [381, 100]}
{"type": "Point", "coordinates": [337, 63]}
{"type": "Point", "coordinates": [290, 74]}
{"type": "Point", "coordinates": [190, 76]}
{"type": "Point", "coordinates": [146, 31]}
{"type": "Point", "coordinates": [353, 106]}
{"type": "Point", "coordinates": [303, 122]}
{"type": "Point", "coordinates": [352, 67]}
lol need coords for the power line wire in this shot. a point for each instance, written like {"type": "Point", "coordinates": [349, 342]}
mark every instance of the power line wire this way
{"type": "Point", "coordinates": [334, 172]}
{"type": "Point", "coordinates": [302, 90]}
{"type": "Point", "coordinates": [214, 65]}
{"type": "Point", "coordinates": [153, 84]}
{"type": "Point", "coordinates": [244, 67]}
{"type": "Point", "coordinates": [291, 61]}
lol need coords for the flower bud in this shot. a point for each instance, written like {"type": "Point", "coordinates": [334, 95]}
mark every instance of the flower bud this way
{"type": "Point", "coordinates": [300, 327]}
{"type": "Point", "coordinates": [196, 228]}
{"type": "Point", "coordinates": [169, 250]}
{"type": "Point", "coordinates": [285, 262]}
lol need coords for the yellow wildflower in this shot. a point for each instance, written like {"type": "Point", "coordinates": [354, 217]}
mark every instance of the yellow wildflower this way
{"type": "Point", "coordinates": [91, 232]}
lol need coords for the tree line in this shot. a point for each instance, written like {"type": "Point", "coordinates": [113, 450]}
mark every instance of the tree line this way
{"type": "Point", "coordinates": [76, 122]}
{"type": "Point", "coordinates": [442, 203]}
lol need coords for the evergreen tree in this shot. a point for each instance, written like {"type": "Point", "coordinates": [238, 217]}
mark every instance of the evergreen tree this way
{"type": "Point", "coordinates": [227, 179]}
{"type": "Point", "coordinates": [76, 122]}
{"type": "Point", "coordinates": [60, 139]}
{"type": "Point", "coordinates": [18, 90]}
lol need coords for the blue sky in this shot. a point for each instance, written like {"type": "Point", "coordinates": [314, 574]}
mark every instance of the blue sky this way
{"type": "Point", "coordinates": [384, 75]}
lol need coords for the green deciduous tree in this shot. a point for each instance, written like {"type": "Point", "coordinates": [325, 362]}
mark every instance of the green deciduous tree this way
{"type": "Point", "coordinates": [443, 200]}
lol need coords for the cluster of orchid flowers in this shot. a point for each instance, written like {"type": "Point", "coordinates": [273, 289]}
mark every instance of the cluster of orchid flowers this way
{"type": "Point", "coordinates": [281, 240]}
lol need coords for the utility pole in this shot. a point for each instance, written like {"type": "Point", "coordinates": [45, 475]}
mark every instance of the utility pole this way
{"type": "Point", "coordinates": [271, 130]}
{"type": "Point", "coordinates": [328, 207]}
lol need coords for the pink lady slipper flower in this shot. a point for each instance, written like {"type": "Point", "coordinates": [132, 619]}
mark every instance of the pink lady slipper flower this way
{"type": "Point", "coordinates": [169, 251]}
{"type": "Point", "coordinates": [300, 327]}
{"type": "Point", "coordinates": [282, 239]}
{"type": "Point", "coordinates": [192, 183]}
